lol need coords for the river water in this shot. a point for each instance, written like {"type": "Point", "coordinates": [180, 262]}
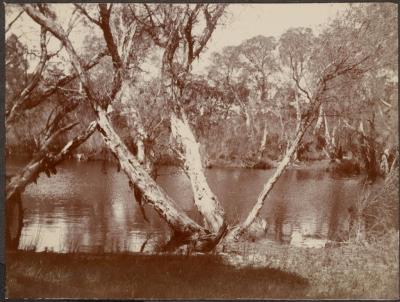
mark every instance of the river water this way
{"type": "Point", "coordinates": [88, 206]}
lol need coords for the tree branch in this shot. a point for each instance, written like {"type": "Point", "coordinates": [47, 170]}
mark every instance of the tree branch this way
{"type": "Point", "coordinates": [32, 100]}
{"type": "Point", "coordinates": [83, 11]}
{"type": "Point", "coordinates": [112, 48]}
{"type": "Point", "coordinates": [211, 22]}
{"type": "Point", "coordinates": [60, 34]}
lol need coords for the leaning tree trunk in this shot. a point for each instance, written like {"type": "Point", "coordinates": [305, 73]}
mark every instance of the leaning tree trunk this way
{"type": "Point", "coordinates": [237, 231]}
{"type": "Point", "coordinates": [205, 200]}
{"type": "Point", "coordinates": [46, 162]}
{"type": "Point", "coordinates": [185, 230]}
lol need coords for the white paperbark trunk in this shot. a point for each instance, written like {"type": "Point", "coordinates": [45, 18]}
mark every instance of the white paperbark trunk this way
{"type": "Point", "coordinates": [392, 167]}
{"type": "Point", "coordinates": [384, 164]}
{"type": "Point", "coordinates": [327, 134]}
{"type": "Point", "coordinates": [329, 148]}
{"type": "Point", "coordinates": [248, 120]}
{"type": "Point", "coordinates": [263, 140]}
{"type": "Point", "coordinates": [140, 152]}
{"type": "Point", "coordinates": [319, 120]}
{"type": "Point", "coordinates": [205, 200]}
{"type": "Point", "coordinates": [361, 128]}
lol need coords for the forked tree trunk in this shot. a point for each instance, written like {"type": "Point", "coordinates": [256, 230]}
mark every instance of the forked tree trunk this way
{"type": "Point", "coordinates": [154, 195]}
{"type": "Point", "coordinates": [205, 200]}
{"type": "Point", "coordinates": [236, 232]}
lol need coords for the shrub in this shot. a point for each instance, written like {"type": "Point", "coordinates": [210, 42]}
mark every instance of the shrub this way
{"type": "Point", "coordinates": [262, 165]}
{"type": "Point", "coordinates": [345, 168]}
{"type": "Point", "coordinates": [376, 212]}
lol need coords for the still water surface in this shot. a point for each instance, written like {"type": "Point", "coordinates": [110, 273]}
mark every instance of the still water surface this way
{"type": "Point", "coordinates": [89, 207]}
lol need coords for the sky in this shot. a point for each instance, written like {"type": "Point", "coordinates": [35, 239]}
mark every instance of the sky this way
{"type": "Point", "coordinates": [248, 20]}
{"type": "Point", "coordinates": [242, 21]}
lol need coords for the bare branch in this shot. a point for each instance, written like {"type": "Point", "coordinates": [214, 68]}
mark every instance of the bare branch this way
{"type": "Point", "coordinates": [71, 25]}
{"type": "Point", "coordinates": [385, 103]}
{"type": "Point", "coordinates": [152, 29]}
{"type": "Point", "coordinates": [13, 21]}
{"type": "Point", "coordinates": [296, 78]}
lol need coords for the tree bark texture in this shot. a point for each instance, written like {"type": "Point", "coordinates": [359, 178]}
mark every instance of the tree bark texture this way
{"type": "Point", "coordinates": [206, 201]}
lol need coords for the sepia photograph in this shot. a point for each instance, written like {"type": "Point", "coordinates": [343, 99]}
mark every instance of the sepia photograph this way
{"type": "Point", "coordinates": [201, 151]}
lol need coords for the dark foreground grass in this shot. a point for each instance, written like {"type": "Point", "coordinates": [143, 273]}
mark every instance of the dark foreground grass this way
{"type": "Point", "coordinates": [118, 276]}
{"type": "Point", "coordinates": [355, 270]}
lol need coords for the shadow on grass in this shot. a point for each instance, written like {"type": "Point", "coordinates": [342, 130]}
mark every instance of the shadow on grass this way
{"type": "Point", "coordinates": [49, 275]}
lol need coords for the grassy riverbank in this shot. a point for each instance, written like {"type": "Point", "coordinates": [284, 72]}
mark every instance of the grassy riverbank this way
{"type": "Point", "coordinates": [261, 270]}
{"type": "Point", "coordinates": [354, 270]}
